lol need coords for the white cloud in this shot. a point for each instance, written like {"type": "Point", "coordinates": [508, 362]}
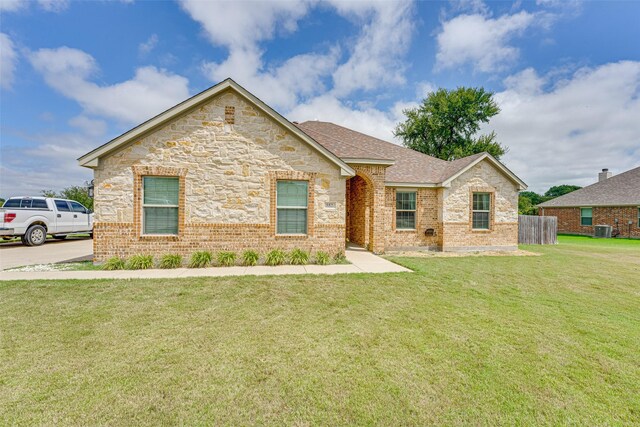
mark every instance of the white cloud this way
{"type": "Point", "coordinates": [146, 47]}
{"type": "Point", "coordinates": [55, 6]}
{"type": "Point", "coordinates": [8, 60]}
{"type": "Point", "coordinates": [481, 41]}
{"type": "Point", "coordinates": [89, 126]}
{"type": "Point", "coordinates": [566, 134]}
{"type": "Point", "coordinates": [148, 93]}
{"type": "Point", "coordinates": [376, 58]}
{"type": "Point", "coordinates": [368, 120]}
{"type": "Point", "coordinates": [12, 5]}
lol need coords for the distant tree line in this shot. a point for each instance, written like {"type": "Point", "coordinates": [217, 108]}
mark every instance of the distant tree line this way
{"type": "Point", "coordinates": [528, 199]}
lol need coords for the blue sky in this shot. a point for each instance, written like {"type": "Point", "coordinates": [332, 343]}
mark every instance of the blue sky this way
{"type": "Point", "coordinates": [566, 74]}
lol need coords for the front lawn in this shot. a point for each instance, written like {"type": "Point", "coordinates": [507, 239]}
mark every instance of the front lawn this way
{"type": "Point", "coordinates": [552, 339]}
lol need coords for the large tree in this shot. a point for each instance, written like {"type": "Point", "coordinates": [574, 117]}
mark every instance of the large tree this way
{"type": "Point", "coordinates": [446, 124]}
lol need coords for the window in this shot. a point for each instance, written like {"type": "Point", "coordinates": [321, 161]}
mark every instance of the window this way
{"type": "Point", "coordinates": [405, 210]}
{"type": "Point", "coordinates": [481, 211]}
{"type": "Point", "coordinates": [160, 204]}
{"type": "Point", "coordinates": [62, 206]}
{"type": "Point", "coordinates": [291, 207]}
{"type": "Point", "coordinates": [12, 203]}
{"type": "Point", "coordinates": [39, 204]}
{"type": "Point", "coordinates": [25, 204]}
{"type": "Point", "coordinates": [586, 216]}
{"type": "Point", "coordinates": [77, 207]}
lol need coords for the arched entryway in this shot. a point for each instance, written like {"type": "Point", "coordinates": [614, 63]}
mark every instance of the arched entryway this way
{"type": "Point", "coordinates": [359, 210]}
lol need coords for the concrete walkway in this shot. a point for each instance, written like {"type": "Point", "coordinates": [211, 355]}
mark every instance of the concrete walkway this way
{"type": "Point", "coordinates": [361, 262]}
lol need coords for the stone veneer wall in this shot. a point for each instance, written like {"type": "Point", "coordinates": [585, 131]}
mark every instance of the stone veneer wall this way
{"type": "Point", "coordinates": [457, 226]}
{"type": "Point", "coordinates": [230, 156]}
{"type": "Point", "coordinates": [428, 208]}
{"type": "Point", "coordinates": [569, 219]}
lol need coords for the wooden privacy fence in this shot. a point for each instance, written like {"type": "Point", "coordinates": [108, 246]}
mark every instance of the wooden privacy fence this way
{"type": "Point", "coordinates": [537, 230]}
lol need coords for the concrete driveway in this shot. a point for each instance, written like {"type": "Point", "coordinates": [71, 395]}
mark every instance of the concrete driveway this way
{"type": "Point", "coordinates": [16, 255]}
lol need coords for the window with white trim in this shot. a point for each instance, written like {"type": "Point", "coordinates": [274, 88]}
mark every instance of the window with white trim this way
{"type": "Point", "coordinates": [160, 204]}
{"type": "Point", "coordinates": [405, 210]}
{"type": "Point", "coordinates": [586, 216]}
{"type": "Point", "coordinates": [292, 199]}
{"type": "Point", "coordinates": [481, 211]}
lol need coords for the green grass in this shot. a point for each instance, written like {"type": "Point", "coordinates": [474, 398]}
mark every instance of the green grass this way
{"type": "Point", "coordinates": [549, 339]}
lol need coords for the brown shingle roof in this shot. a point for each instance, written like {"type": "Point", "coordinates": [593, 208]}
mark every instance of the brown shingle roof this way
{"type": "Point", "coordinates": [410, 166]}
{"type": "Point", "coordinates": [619, 190]}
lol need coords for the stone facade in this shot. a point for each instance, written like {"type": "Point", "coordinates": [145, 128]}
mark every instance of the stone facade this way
{"type": "Point", "coordinates": [569, 219]}
{"type": "Point", "coordinates": [228, 154]}
{"type": "Point", "coordinates": [458, 233]}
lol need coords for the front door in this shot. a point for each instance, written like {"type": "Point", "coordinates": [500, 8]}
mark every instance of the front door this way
{"type": "Point", "coordinates": [80, 217]}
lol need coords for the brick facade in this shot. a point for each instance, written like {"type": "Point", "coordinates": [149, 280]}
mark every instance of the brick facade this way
{"type": "Point", "coordinates": [569, 219]}
{"type": "Point", "coordinates": [228, 156]}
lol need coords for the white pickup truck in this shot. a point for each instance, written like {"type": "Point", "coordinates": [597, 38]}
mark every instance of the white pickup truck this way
{"type": "Point", "coordinates": [32, 218]}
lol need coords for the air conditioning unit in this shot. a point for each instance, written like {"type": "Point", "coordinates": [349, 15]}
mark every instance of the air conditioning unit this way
{"type": "Point", "coordinates": [602, 231]}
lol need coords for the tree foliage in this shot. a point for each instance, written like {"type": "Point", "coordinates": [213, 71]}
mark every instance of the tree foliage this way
{"type": "Point", "coordinates": [446, 123]}
{"type": "Point", "coordinates": [560, 190]}
{"type": "Point", "coordinates": [528, 200]}
{"type": "Point", "coordinates": [75, 192]}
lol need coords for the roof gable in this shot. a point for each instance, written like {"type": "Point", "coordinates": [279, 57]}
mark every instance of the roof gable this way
{"type": "Point", "coordinates": [406, 166]}
{"type": "Point", "coordinates": [91, 158]}
{"type": "Point", "coordinates": [619, 190]}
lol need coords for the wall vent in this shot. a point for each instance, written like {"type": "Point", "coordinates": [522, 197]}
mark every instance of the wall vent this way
{"type": "Point", "coordinates": [230, 115]}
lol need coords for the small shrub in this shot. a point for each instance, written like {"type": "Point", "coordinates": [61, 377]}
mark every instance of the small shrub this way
{"type": "Point", "coordinates": [340, 258]}
{"type": "Point", "coordinates": [140, 262]}
{"type": "Point", "coordinates": [114, 263]}
{"type": "Point", "coordinates": [322, 258]}
{"type": "Point", "coordinates": [250, 258]}
{"type": "Point", "coordinates": [200, 259]}
{"type": "Point", "coordinates": [226, 258]}
{"type": "Point", "coordinates": [299, 257]}
{"type": "Point", "coordinates": [275, 257]}
{"type": "Point", "coordinates": [171, 261]}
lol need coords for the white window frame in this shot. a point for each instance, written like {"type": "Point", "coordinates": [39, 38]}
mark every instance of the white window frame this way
{"type": "Point", "coordinates": [305, 208]}
{"type": "Point", "coordinates": [481, 210]}
{"type": "Point", "coordinates": [586, 225]}
{"type": "Point", "coordinates": [415, 210]}
{"type": "Point", "coordinates": [142, 214]}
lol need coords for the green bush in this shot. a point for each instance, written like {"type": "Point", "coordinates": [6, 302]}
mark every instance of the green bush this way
{"type": "Point", "coordinates": [226, 258]}
{"type": "Point", "coordinates": [140, 262]}
{"type": "Point", "coordinates": [340, 258]}
{"type": "Point", "coordinates": [200, 259]}
{"type": "Point", "coordinates": [250, 258]}
{"type": "Point", "coordinates": [114, 263]}
{"type": "Point", "coordinates": [299, 257]}
{"type": "Point", "coordinates": [275, 257]}
{"type": "Point", "coordinates": [171, 261]}
{"type": "Point", "coordinates": [322, 258]}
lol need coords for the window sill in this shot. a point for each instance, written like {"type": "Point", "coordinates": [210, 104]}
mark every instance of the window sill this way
{"type": "Point", "coordinates": [406, 230]}
{"type": "Point", "coordinates": [481, 230]}
{"type": "Point", "coordinates": [291, 236]}
{"type": "Point", "coordinates": [167, 237]}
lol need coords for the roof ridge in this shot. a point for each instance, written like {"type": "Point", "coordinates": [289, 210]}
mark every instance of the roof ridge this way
{"type": "Point", "coordinates": [339, 140]}
{"type": "Point", "coordinates": [372, 137]}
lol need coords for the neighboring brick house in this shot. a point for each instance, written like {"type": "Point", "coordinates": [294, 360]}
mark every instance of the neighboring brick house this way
{"type": "Point", "coordinates": [222, 170]}
{"type": "Point", "coordinates": [611, 198]}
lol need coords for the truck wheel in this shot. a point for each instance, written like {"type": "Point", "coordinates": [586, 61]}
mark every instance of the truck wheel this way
{"type": "Point", "coordinates": [36, 235]}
